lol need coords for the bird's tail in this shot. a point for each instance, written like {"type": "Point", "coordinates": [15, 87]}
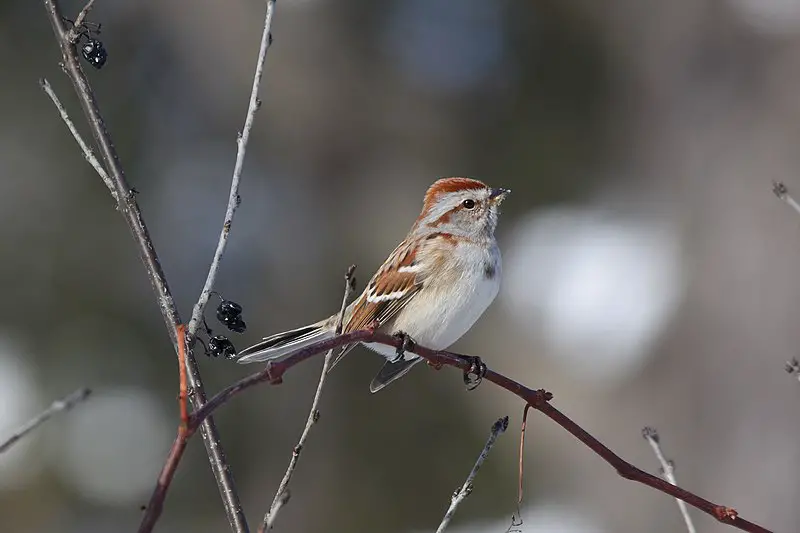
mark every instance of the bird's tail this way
{"type": "Point", "coordinates": [392, 371]}
{"type": "Point", "coordinates": [280, 344]}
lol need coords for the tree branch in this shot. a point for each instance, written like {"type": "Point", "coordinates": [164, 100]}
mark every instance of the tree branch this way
{"type": "Point", "coordinates": [521, 468]}
{"type": "Point", "coordinates": [87, 152]}
{"type": "Point", "coordinates": [64, 404]}
{"type": "Point", "coordinates": [156, 504]}
{"type": "Point", "coordinates": [73, 33]}
{"type": "Point", "coordinates": [667, 468]}
{"type": "Point", "coordinates": [129, 208]}
{"type": "Point", "coordinates": [537, 399]}
{"type": "Point", "coordinates": [233, 198]}
{"type": "Point", "coordinates": [282, 494]}
{"type": "Point", "coordinates": [781, 191]}
{"type": "Point", "coordinates": [466, 489]}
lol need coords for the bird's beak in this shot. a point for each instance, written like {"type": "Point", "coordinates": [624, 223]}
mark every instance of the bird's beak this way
{"type": "Point", "coordinates": [499, 194]}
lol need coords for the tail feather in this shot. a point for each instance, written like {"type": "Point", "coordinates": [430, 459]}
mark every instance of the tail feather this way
{"type": "Point", "coordinates": [280, 344]}
{"type": "Point", "coordinates": [392, 371]}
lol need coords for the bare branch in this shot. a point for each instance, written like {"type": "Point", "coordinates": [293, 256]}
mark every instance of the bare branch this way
{"type": "Point", "coordinates": [284, 498]}
{"type": "Point", "coordinates": [129, 208]}
{"type": "Point", "coordinates": [233, 197]}
{"type": "Point", "coordinates": [793, 367]}
{"type": "Point", "coordinates": [64, 404]}
{"type": "Point", "coordinates": [460, 495]}
{"type": "Point", "coordinates": [87, 152]}
{"type": "Point", "coordinates": [156, 504]}
{"type": "Point", "coordinates": [651, 436]}
{"type": "Point", "coordinates": [282, 494]}
{"type": "Point", "coordinates": [516, 519]}
{"type": "Point", "coordinates": [521, 453]}
{"type": "Point", "coordinates": [782, 192]}
{"type": "Point", "coordinates": [183, 388]}
{"type": "Point", "coordinates": [73, 35]}
{"type": "Point", "coordinates": [538, 399]}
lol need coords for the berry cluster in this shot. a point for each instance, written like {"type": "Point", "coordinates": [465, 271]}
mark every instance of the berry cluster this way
{"type": "Point", "coordinates": [229, 313]}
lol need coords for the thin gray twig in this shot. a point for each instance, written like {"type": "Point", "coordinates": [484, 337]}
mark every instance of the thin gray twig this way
{"type": "Point", "coordinates": [782, 192]}
{"type": "Point", "coordinates": [87, 152]}
{"type": "Point", "coordinates": [129, 208]}
{"type": "Point", "coordinates": [74, 31]}
{"type": "Point", "coordinates": [233, 198]}
{"type": "Point", "coordinates": [793, 367]}
{"type": "Point", "coordinates": [64, 404]}
{"type": "Point", "coordinates": [282, 494]}
{"type": "Point", "coordinates": [461, 494]}
{"type": "Point", "coordinates": [668, 471]}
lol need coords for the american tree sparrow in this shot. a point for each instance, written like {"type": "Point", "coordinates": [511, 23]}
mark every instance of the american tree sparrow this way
{"type": "Point", "coordinates": [432, 288]}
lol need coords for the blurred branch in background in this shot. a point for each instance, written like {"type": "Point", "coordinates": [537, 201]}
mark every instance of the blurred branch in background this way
{"type": "Point", "coordinates": [127, 205]}
{"type": "Point", "coordinates": [537, 399]}
{"type": "Point", "coordinates": [782, 192]}
{"type": "Point", "coordinates": [793, 367]}
{"type": "Point", "coordinates": [668, 471]}
{"type": "Point", "coordinates": [461, 494]}
{"type": "Point", "coordinates": [64, 404]}
{"type": "Point", "coordinates": [282, 494]}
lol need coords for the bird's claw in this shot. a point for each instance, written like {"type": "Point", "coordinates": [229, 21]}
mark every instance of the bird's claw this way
{"type": "Point", "coordinates": [406, 345]}
{"type": "Point", "coordinates": [475, 373]}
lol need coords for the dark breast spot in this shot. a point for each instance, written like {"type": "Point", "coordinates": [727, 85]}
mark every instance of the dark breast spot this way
{"type": "Point", "coordinates": [489, 270]}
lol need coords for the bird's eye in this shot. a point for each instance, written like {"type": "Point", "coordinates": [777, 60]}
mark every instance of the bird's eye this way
{"type": "Point", "coordinates": [468, 203]}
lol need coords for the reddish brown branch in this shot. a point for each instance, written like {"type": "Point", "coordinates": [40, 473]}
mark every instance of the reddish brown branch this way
{"type": "Point", "coordinates": [537, 399]}
{"type": "Point", "coordinates": [156, 504]}
{"type": "Point", "coordinates": [183, 389]}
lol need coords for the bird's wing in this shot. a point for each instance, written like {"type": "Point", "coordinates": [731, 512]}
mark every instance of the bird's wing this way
{"type": "Point", "coordinates": [389, 290]}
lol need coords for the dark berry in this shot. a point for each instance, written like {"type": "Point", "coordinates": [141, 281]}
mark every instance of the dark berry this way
{"type": "Point", "coordinates": [230, 314]}
{"type": "Point", "coordinates": [220, 345]}
{"type": "Point", "coordinates": [94, 52]}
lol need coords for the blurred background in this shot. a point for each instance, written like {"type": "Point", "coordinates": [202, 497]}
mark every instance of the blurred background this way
{"type": "Point", "coordinates": [651, 277]}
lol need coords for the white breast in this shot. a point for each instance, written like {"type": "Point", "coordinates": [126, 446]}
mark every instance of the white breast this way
{"type": "Point", "coordinates": [450, 303]}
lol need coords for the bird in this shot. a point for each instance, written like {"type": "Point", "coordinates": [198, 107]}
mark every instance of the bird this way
{"type": "Point", "coordinates": [431, 289]}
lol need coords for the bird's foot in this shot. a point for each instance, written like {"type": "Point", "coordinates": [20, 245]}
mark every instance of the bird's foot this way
{"type": "Point", "coordinates": [475, 373]}
{"type": "Point", "coordinates": [407, 345]}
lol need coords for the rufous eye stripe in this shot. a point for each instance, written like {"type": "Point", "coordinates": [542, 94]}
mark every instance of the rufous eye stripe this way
{"type": "Point", "coordinates": [448, 186]}
{"type": "Point", "coordinates": [451, 185]}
